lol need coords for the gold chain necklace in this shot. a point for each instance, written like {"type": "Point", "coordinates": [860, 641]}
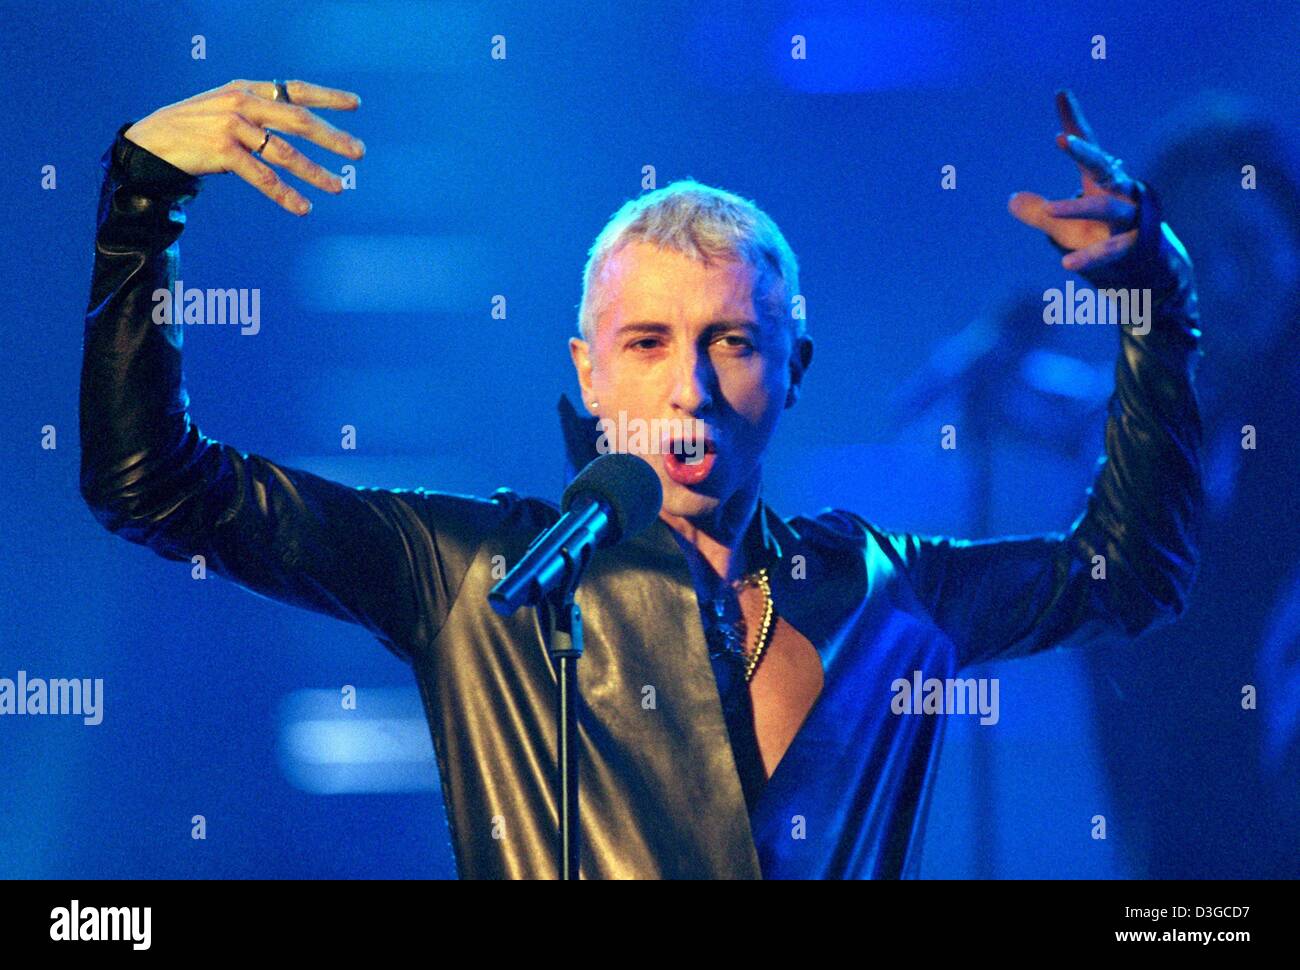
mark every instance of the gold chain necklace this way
{"type": "Point", "coordinates": [765, 628]}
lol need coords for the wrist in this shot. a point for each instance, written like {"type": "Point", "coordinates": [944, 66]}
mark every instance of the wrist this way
{"type": "Point", "coordinates": [144, 173]}
{"type": "Point", "coordinates": [1157, 260]}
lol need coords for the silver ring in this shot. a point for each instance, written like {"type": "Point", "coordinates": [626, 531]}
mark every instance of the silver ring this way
{"type": "Point", "coordinates": [282, 92]}
{"type": "Point", "coordinates": [1115, 174]}
{"type": "Point", "coordinates": [262, 147]}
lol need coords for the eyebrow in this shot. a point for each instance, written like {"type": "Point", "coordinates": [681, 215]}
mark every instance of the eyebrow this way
{"type": "Point", "coordinates": [655, 327]}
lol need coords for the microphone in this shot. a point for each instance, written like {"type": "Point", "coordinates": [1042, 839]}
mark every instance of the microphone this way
{"type": "Point", "coordinates": [614, 498]}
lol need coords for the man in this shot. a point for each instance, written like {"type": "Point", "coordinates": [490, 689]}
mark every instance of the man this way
{"type": "Point", "coordinates": [768, 745]}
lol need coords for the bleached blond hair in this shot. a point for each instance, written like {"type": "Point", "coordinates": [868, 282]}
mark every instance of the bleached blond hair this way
{"type": "Point", "coordinates": [706, 224]}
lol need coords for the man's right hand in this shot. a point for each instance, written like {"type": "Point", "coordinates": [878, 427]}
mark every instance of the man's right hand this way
{"type": "Point", "coordinates": [219, 130]}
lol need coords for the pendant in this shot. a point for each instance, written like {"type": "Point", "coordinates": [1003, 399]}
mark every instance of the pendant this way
{"type": "Point", "coordinates": [728, 636]}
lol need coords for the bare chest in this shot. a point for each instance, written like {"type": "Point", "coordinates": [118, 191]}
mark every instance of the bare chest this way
{"type": "Point", "coordinates": [785, 686]}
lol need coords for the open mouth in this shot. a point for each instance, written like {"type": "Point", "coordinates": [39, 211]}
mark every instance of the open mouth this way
{"type": "Point", "coordinates": [692, 452]}
{"type": "Point", "coordinates": [689, 462]}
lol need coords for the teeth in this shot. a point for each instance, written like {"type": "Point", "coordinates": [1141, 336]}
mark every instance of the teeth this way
{"type": "Point", "coordinates": [692, 455]}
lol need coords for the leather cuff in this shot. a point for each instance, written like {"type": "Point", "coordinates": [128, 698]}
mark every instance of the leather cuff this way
{"type": "Point", "coordinates": [1157, 259]}
{"type": "Point", "coordinates": [144, 173]}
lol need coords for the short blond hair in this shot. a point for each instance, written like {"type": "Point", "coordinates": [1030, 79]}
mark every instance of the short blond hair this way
{"type": "Point", "coordinates": [709, 225]}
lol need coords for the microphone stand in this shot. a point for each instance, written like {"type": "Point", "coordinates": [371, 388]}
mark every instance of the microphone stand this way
{"type": "Point", "coordinates": [611, 495]}
{"type": "Point", "coordinates": [562, 617]}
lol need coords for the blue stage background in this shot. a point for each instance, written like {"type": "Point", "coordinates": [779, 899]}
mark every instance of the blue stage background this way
{"type": "Point", "coordinates": [491, 177]}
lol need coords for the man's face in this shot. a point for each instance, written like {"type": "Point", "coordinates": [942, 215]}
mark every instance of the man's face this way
{"type": "Point", "coordinates": [678, 341]}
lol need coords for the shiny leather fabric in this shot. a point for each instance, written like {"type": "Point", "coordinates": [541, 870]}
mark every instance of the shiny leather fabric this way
{"type": "Point", "coordinates": [660, 792]}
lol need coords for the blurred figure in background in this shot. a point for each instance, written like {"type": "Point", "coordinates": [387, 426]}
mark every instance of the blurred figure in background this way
{"type": "Point", "coordinates": [1218, 782]}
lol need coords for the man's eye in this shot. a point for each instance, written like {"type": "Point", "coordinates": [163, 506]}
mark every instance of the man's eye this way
{"type": "Point", "coordinates": [736, 341]}
{"type": "Point", "coordinates": [645, 343]}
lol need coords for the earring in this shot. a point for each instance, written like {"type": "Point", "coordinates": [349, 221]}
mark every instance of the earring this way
{"type": "Point", "coordinates": [594, 405]}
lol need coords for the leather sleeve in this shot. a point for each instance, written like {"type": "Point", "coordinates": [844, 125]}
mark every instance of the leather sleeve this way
{"type": "Point", "coordinates": [1014, 597]}
{"type": "Point", "coordinates": [390, 561]}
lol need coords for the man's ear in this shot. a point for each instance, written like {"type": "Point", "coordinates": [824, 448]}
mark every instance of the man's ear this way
{"type": "Point", "coordinates": [800, 360]}
{"type": "Point", "coordinates": [580, 351]}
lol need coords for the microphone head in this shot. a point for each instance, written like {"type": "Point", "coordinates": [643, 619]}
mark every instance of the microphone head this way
{"type": "Point", "coordinates": [627, 485]}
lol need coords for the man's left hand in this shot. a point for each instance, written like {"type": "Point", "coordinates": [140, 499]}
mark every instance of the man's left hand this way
{"type": "Point", "coordinates": [1097, 227]}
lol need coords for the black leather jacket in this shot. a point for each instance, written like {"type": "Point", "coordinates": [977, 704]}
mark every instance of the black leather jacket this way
{"type": "Point", "coordinates": [660, 792]}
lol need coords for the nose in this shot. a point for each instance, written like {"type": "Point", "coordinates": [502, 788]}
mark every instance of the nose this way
{"type": "Point", "coordinates": [692, 381]}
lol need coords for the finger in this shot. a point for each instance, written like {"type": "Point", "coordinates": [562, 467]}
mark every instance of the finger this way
{"type": "Point", "coordinates": [1068, 234]}
{"type": "Point", "coordinates": [1090, 186]}
{"type": "Point", "coordinates": [263, 178]}
{"type": "Point", "coordinates": [1072, 119]}
{"type": "Point", "coordinates": [1031, 209]}
{"type": "Point", "coordinates": [280, 152]}
{"type": "Point", "coordinates": [1100, 166]}
{"type": "Point", "coordinates": [306, 94]}
{"type": "Point", "coordinates": [1117, 213]}
{"type": "Point", "coordinates": [1100, 254]}
{"type": "Point", "coordinates": [296, 120]}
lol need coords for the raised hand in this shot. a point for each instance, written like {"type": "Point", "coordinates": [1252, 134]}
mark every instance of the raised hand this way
{"type": "Point", "coordinates": [222, 129]}
{"type": "Point", "coordinates": [1098, 226]}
